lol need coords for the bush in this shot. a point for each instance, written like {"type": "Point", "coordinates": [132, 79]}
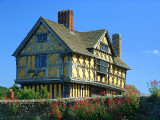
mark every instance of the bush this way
{"type": "Point", "coordinates": [132, 88]}
{"type": "Point", "coordinates": [94, 109]}
{"type": "Point", "coordinates": [154, 88]}
{"type": "Point", "coordinates": [27, 94]}
{"type": "Point", "coordinates": [59, 110]}
{"type": "Point", "coordinates": [31, 94]}
{"type": "Point", "coordinates": [43, 93]}
{"type": "Point", "coordinates": [3, 91]}
{"type": "Point", "coordinates": [126, 106]}
{"type": "Point", "coordinates": [15, 89]}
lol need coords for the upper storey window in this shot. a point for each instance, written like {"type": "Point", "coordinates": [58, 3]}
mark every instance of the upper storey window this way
{"type": "Point", "coordinates": [101, 66]}
{"type": "Point", "coordinates": [41, 61]}
{"type": "Point", "coordinates": [104, 48]}
{"type": "Point", "coordinates": [41, 37]}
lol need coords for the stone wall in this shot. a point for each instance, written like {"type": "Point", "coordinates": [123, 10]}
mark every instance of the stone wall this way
{"type": "Point", "coordinates": [30, 108]}
{"type": "Point", "coordinates": [150, 105]}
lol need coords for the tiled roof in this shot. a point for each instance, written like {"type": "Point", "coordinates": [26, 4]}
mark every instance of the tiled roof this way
{"type": "Point", "coordinates": [79, 41]}
{"type": "Point", "coordinates": [72, 39]}
{"type": "Point", "coordinates": [120, 62]}
{"type": "Point", "coordinates": [90, 38]}
{"type": "Point", "coordinates": [76, 41]}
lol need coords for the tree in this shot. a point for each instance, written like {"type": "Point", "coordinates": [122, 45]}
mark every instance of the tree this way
{"type": "Point", "coordinates": [15, 89]}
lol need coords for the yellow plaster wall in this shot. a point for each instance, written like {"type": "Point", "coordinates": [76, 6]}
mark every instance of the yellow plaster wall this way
{"type": "Point", "coordinates": [82, 67]}
{"type": "Point", "coordinates": [21, 70]}
{"type": "Point", "coordinates": [33, 46]}
{"type": "Point", "coordinates": [57, 94]}
{"type": "Point", "coordinates": [28, 62]}
{"type": "Point", "coordinates": [77, 90]}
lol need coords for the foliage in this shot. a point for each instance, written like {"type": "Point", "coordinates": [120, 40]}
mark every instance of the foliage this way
{"type": "Point", "coordinates": [154, 88]}
{"type": "Point", "coordinates": [37, 117]}
{"type": "Point", "coordinates": [126, 106]}
{"type": "Point", "coordinates": [15, 89]}
{"type": "Point", "coordinates": [44, 93]}
{"type": "Point", "coordinates": [27, 94]}
{"type": "Point", "coordinates": [103, 93]}
{"type": "Point", "coordinates": [31, 94]}
{"type": "Point", "coordinates": [3, 91]}
{"type": "Point", "coordinates": [3, 97]}
{"type": "Point", "coordinates": [132, 88]}
{"type": "Point", "coordinates": [87, 110]}
{"type": "Point", "coordinates": [59, 110]}
{"type": "Point", "coordinates": [14, 106]}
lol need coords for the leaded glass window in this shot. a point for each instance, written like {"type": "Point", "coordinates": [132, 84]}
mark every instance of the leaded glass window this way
{"type": "Point", "coordinates": [41, 61]}
{"type": "Point", "coordinates": [101, 66]}
{"type": "Point", "coordinates": [104, 48]}
{"type": "Point", "coordinates": [41, 37]}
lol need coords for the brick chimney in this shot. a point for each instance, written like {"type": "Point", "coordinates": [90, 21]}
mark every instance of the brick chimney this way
{"type": "Point", "coordinates": [66, 18]}
{"type": "Point", "coordinates": [116, 41]}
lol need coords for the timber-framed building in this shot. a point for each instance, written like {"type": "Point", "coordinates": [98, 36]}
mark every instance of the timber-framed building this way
{"type": "Point", "coordinates": [67, 62]}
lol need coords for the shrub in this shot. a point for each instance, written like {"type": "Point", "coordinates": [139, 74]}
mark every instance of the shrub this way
{"type": "Point", "coordinates": [103, 93]}
{"type": "Point", "coordinates": [59, 110]}
{"type": "Point", "coordinates": [89, 110]}
{"type": "Point", "coordinates": [15, 89]}
{"type": "Point", "coordinates": [43, 93]}
{"type": "Point", "coordinates": [3, 91]}
{"type": "Point", "coordinates": [132, 88]}
{"type": "Point", "coordinates": [37, 117]}
{"type": "Point", "coordinates": [31, 94]}
{"type": "Point", "coordinates": [126, 106]}
{"type": "Point", "coordinates": [154, 88]}
{"type": "Point", "coordinates": [27, 94]}
{"type": "Point", "coordinates": [14, 106]}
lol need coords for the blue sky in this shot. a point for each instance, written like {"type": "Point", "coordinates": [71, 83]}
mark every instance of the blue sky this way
{"type": "Point", "coordinates": [137, 21]}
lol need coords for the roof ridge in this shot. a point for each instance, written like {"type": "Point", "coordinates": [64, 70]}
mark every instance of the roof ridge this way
{"type": "Point", "coordinates": [91, 31]}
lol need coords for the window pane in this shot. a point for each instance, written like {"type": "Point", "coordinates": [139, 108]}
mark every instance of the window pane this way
{"type": "Point", "coordinates": [37, 61]}
{"type": "Point", "coordinates": [101, 66]}
{"type": "Point", "coordinates": [41, 61]}
{"type": "Point", "coordinates": [98, 61]}
{"type": "Point", "coordinates": [41, 37]}
{"type": "Point", "coordinates": [44, 36]}
{"type": "Point", "coordinates": [104, 48]}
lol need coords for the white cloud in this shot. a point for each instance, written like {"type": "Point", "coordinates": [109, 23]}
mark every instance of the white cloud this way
{"type": "Point", "coordinates": [155, 52]}
{"type": "Point", "coordinates": [151, 52]}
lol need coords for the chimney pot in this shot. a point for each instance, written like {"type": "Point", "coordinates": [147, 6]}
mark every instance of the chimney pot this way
{"type": "Point", "coordinates": [116, 41]}
{"type": "Point", "coordinates": [65, 17]}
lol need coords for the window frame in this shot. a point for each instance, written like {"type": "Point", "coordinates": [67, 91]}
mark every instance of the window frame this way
{"type": "Point", "coordinates": [102, 66]}
{"type": "Point", "coordinates": [41, 34]}
{"type": "Point", "coordinates": [39, 63]}
{"type": "Point", "coordinates": [101, 48]}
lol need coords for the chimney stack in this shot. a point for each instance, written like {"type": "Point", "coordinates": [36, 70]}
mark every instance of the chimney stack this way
{"type": "Point", "coordinates": [66, 18]}
{"type": "Point", "coordinates": [116, 41]}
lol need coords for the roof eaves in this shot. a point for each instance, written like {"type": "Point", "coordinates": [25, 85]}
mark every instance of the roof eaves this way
{"type": "Point", "coordinates": [100, 39]}
{"type": "Point", "coordinates": [55, 34]}
{"type": "Point", "coordinates": [110, 43]}
{"type": "Point", "coordinates": [25, 40]}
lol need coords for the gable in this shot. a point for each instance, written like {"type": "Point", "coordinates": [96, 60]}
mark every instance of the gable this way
{"type": "Point", "coordinates": [64, 39]}
{"type": "Point", "coordinates": [103, 55]}
{"type": "Point", "coordinates": [51, 44]}
{"type": "Point", "coordinates": [40, 26]}
{"type": "Point", "coordinates": [104, 42]}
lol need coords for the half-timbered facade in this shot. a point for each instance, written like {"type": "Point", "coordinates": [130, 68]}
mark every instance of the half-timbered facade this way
{"type": "Point", "coordinates": [67, 62]}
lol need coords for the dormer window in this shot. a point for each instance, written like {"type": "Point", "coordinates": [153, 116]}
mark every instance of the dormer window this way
{"type": "Point", "coordinates": [101, 66]}
{"type": "Point", "coordinates": [41, 37]}
{"type": "Point", "coordinates": [104, 48]}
